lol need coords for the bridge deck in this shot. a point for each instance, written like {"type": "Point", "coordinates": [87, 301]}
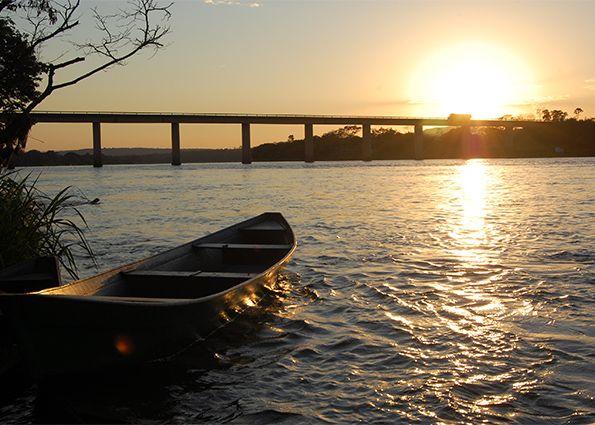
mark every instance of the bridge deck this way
{"type": "Point", "coordinates": [161, 117]}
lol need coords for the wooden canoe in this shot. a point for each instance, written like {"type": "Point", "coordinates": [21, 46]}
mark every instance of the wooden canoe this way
{"type": "Point", "coordinates": [153, 308]}
{"type": "Point", "coordinates": [31, 275]}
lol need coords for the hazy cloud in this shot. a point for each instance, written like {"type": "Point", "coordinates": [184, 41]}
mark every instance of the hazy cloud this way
{"type": "Point", "coordinates": [232, 3]}
{"type": "Point", "coordinates": [544, 100]}
{"type": "Point", "coordinates": [590, 84]}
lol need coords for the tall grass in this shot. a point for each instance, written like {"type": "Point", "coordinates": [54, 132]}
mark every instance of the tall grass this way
{"type": "Point", "coordinates": [34, 224]}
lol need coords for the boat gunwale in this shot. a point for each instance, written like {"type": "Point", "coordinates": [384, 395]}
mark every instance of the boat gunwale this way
{"type": "Point", "coordinates": [163, 301]}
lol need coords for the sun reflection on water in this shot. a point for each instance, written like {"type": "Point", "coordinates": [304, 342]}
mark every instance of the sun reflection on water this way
{"type": "Point", "coordinates": [469, 312]}
{"type": "Point", "coordinates": [470, 191]}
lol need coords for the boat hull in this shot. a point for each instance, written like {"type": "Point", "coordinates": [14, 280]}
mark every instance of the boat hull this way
{"type": "Point", "coordinates": [62, 334]}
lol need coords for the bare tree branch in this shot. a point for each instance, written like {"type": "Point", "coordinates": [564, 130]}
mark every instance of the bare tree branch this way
{"type": "Point", "coordinates": [140, 25]}
{"type": "Point", "coordinates": [67, 63]}
{"type": "Point", "coordinates": [6, 4]}
{"type": "Point", "coordinates": [41, 23]}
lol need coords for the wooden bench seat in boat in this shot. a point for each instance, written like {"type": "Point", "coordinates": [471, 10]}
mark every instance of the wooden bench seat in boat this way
{"type": "Point", "coordinates": [240, 246]}
{"type": "Point", "coordinates": [201, 274]}
{"type": "Point", "coordinates": [219, 256]}
{"type": "Point", "coordinates": [265, 232]}
{"type": "Point", "coordinates": [176, 284]}
{"type": "Point", "coordinates": [267, 226]}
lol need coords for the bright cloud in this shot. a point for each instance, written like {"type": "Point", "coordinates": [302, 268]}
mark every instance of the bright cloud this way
{"type": "Point", "coordinates": [231, 3]}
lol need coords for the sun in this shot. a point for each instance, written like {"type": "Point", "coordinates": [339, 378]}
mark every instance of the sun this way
{"type": "Point", "coordinates": [484, 80]}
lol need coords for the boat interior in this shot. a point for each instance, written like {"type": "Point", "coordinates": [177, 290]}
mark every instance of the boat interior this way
{"type": "Point", "coordinates": [204, 267]}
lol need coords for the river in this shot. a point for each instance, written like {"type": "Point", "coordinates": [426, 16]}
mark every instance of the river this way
{"type": "Point", "coordinates": [431, 291]}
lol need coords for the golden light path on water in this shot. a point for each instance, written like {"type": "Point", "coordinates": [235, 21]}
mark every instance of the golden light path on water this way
{"type": "Point", "coordinates": [470, 189]}
{"type": "Point", "coordinates": [468, 307]}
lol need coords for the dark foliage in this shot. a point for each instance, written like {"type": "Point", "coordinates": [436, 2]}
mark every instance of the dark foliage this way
{"type": "Point", "coordinates": [37, 158]}
{"type": "Point", "coordinates": [20, 69]}
{"type": "Point", "coordinates": [34, 224]}
{"type": "Point", "coordinates": [565, 138]}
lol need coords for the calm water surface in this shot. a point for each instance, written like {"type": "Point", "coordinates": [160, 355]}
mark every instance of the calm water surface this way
{"type": "Point", "coordinates": [435, 291]}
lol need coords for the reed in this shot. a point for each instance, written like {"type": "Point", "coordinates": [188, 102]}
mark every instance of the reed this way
{"type": "Point", "coordinates": [34, 224]}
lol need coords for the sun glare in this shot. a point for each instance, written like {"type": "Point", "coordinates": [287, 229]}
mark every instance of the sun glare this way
{"type": "Point", "coordinates": [478, 79]}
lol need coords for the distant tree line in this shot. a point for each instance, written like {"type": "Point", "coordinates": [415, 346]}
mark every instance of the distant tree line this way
{"type": "Point", "coordinates": [563, 136]}
{"type": "Point", "coordinates": [35, 158]}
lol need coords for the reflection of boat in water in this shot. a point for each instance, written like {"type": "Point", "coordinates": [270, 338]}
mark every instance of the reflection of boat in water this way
{"type": "Point", "coordinates": [152, 308]}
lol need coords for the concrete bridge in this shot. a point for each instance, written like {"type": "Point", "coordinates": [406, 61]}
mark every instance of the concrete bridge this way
{"type": "Point", "coordinates": [308, 121]}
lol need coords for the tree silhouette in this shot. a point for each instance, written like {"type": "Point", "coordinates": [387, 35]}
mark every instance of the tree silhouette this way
{"type": "Point", "coordinates": [140, 25]}
{"type": "Point", "coordinates": [578, 112]}
{"type": "Point", "coordinates": [558, 115]}
{"type": "Point", "coordinates": [344, 132]}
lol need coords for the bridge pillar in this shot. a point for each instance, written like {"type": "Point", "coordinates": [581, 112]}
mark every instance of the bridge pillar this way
{"type": "Point", "coordinates": [175, 144]}
{"type": "Point", "coordinates": [246, 150]}
{"type": "Point", "coordinates": [509, 136]}
{"type": "Point", "coordinates": [309, 142]}
{"type": "Point", "coordinates": [418, 141]}
{"type": "Point", "coordinates": [366, 142]}
{"type": "Point", "coordinates": [97, 162]}
{"type": "Point", "coordinates": [467, 147]}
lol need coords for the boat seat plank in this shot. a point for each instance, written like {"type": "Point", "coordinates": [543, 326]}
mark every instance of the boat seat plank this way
{"type": "Point", "coordinates": [155, 273]}
{"type": "Point", "coordinates": [227, 275]}
{"type": "Point", "coordinates": [265, 226]}
{"type": "Point", "coordinates": [200, 274]}
{"type": "Point", "coordinates": [240, 246]}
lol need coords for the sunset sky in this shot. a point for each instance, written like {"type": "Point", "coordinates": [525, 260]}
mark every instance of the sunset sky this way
{"type": "Point", "coordinates": [405, 58]}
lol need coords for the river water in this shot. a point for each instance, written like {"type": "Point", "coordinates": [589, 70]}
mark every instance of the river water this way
{"type": "Point", "coordinates": [429, 292]}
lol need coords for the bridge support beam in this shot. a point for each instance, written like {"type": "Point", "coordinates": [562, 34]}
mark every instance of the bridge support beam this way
{"type": "Point", "coordinates": [175, 144]}
{"type": "Point", "coordinates": [97, 162]}
{"type": "Point", "coordinates": [418, 141]}
{"type": "Point", "coordinates": [366, 142]}
{"type": "Point", "coordinates": [246, 150]}
{"type": "Point", "coordinates": [467, 147]}
{"type": "Point", "coordinates": [509, 136]}
{"type": "Point", "coordinates": [309, 142]}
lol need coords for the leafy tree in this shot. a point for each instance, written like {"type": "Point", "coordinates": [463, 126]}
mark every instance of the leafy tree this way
{"type": "Point", "coordinates": [578, 112]}
{"type": "Point", "coordinates": [384, 132]}
{"type": "Point", "coordinates": [558, 115]}
{"type": "Point", "coordinates": [343, 133]}
{"type": "Point", "coordinates": [26, 80]}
